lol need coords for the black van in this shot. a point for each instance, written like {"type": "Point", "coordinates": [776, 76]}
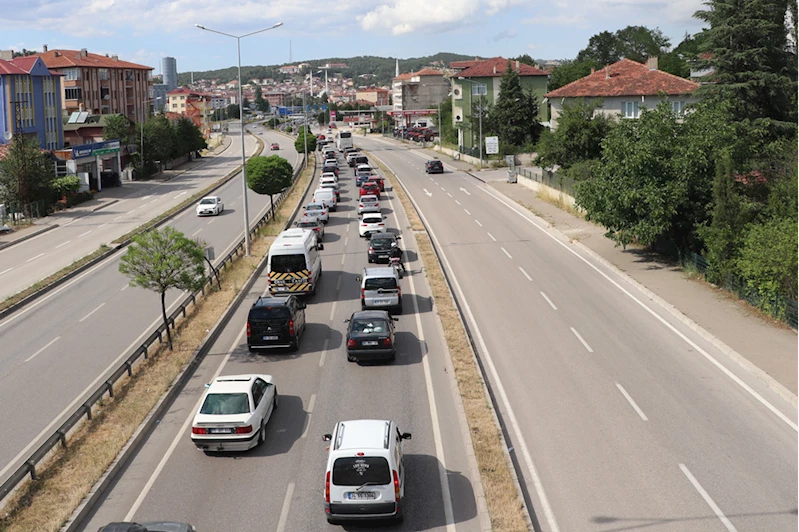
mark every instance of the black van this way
{"type": "Point", "coordinates": [275, 322]}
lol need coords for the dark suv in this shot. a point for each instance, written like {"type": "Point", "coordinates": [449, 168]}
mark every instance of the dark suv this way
{"type": "Point", "coordinates": [275, 322]}
{"type": "Point", "coordinates": [434, 166]}
{"type": "Point", "coordinates": [380, 246]}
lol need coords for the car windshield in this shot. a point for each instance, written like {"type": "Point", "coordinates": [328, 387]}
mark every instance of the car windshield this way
{"type": "Point", "coordinates": [358, 470]}
{"type": "Point", "coordinates": [287, 263]}
{"type": "Point", "coordinates": [381, 243]}
{"type": "Point", "coordinates": [372, 219]}
{"type": "Point", "coordinates": [207, 201]}
{"type": "Point", "coordinates": [312, 225]}
{"type": "Point", "coordinates": [313, 207]}
{"type": "Point", "coordinates": [225, 404]}
{"type": "Point", "coordinates": [368, 199]}
{"type": "Point", "coordinates": [369, 326]}
{"type": "Point", "coordinates": [376, 283]}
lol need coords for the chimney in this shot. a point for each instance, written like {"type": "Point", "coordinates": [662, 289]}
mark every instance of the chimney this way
{"type": "Point", "coordinates": [607, 71]}
{"type": "Point", "coordinates": [517, 65]}
{"type": "Point", "coordinates": [115, 57]}
{"type": "Point", "coordinates": [84, 52]}
{"type": "Point", "coordinates": [495, 69]}
{"type": "Point", "coordinates": [652, 63]}
{"type": "Point", "coordinates": [593, 70]}
{"type": "Point", "coordinates": [44, 48]}
{"type": "Point", "coordinates": [56, 53]}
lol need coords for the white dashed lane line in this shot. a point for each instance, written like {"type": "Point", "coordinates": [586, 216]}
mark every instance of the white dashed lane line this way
{"type": "Point", "coordinates": [708, 500]}
{"type": "Point", "coordinates": [551, 304]}
{"type": "Point", "coordinates": [632, 403]}
{"type": "Point", "coordinates": [478, 223]}
{"type": "Point", "coordinates": [585, 344]}
{"type": "Point", "coordinates": [63, 244]}
{"type": "Point", "coordinates": [36, 257]}
{"type": "Point", "coordinates": [54, 340]}
{"type": "Point", "coordinates": [86, 233]}
{"type": "Point", "coordinates": [505, 251]}
{"type": "Point", "coordinates": [525, 274]}
{"type": "Point", "coordinates": [467, 212]}
{"type": "Point", "coordinates": [491, 237]}
{"type": "Point", "coordinates": [101, 305]}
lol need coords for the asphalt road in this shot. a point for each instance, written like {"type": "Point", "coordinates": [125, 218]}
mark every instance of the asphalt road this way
{"type": "Point", "coordinates": [279, 485]}
{"type": "Point", "coordinates": [56, 350]}
{"type": "Point", "coordinates": [621, 417]}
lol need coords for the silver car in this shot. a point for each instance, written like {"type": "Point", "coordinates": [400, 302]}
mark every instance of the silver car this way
{"type": "Point", "coordinates": [317, 210]}
{"type": "Point", "coordinates": [368, 203]}
{"type": "Point", "coordinates": [380, 288]}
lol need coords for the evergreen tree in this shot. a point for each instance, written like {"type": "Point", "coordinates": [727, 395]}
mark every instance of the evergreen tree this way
{"type": "Point", "coordinates": [514, 115]}
{"type": "Point", "coordinates": [26, 174]}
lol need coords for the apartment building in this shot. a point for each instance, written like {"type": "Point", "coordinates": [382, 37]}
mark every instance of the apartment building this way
{"type": "Point", "coordinates": [195, 105]}
{"type": "Point", "coordinates": [373, 95]}
{"type": "Point", "coordinates": [100, 84]}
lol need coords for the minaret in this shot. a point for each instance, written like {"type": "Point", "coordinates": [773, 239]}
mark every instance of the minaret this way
{"type": "Point", "coordinates": [396, 69]}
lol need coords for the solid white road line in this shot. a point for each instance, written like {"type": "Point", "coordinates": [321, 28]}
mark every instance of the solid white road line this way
{"type": "Point", "coordinates": [101, 305]}
{"type": "Point", "coordinates": [332, 311]}
{"type": "Point", "coordinates": [491, 237]}
{"type": "Point", "coordinates": [478, 222]}
{"type": "Point", "coordinates": [467, 212]}
{"type": "Point", "coordinates": [197, 231]}
{"type": "Point", "coordinates": [54, 340]}
{"type": "Point", "coordinates": [585, 344]}
{"type": "Point", "coordinates": [148, 486]}
{"type": "Point", "coordinates": [308, 419]}
{"type": "Point", "coordinates": [324, 352]}
{"type": "Point", "coordinates": [551, 304]}
{"type": "Point", "coordinates": [762, 400]}
{"type": "Point", "coordinates": [86, 233]}
{"type": "Point", "coordinates": [63, 244]}
{"type": "Point", "coordinates": [708, 500]}
{"type": "Point", "coordinates": [632, 403]}
{"type": "Point", "coordinates": [36, 257]}
{"type": "Point", "coordinates": [284, 512]}
{"type": "Point", "coordinates": [6, 270]}
{"type": "Point", "coordinates": [505, 251]}
{"type": "Point", "coordinates": [526, 274]}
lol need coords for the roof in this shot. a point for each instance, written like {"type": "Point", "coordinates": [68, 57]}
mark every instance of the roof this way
{"type": "Point", "coordinates": [496, 66]}
{"type": "Point", "coordinates": [464, 64]}
{"type": "Point", "coordinates": [404, 75]}
{"type": "Point", "coordinates": [8, 68]}
{"type": "Point", "coordinates": [625, 78]}
{"type": "Point", "coordinates": [363, 433]}
{"type": "Point", "coordinates": [91, 121]}
{"type": "Point", "coordinates": [235, 383]}
{"type": "Point", "coordinates": [73, 58]}
{"type": "Point", "coordinates": [428, 72]}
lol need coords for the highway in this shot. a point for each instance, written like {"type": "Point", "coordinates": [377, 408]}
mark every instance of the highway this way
{"type": "Point", "coordinates": [278, 486]}
{"type": "Point", "coordinates": [57, 350]}
{"type": "Point", "coordinates": [620, 416]}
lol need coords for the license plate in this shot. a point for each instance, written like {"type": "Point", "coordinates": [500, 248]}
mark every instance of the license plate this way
{"type": "Point", "coordinates": [361, 495]}
{"type": "Point", "coordinates": [220, 431]}
{"type": "Point", "coordinates": [281, 288]}
{"type": "Point", "coordinates": [382, 256]}
{"type": "Point", "coordinates": [270, 337]}
{"type": "Point", "coordinates": [381, 301]}
{"type": "Point", "coordinates": [370, 342]}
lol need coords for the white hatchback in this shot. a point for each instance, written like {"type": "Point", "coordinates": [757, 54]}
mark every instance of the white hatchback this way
{"type": "Point", "coordinates": [368, 203]}
{"type": "Point", "coordinates": [371, 223]}
{"type": "Point", "coordinates": [234, 412]}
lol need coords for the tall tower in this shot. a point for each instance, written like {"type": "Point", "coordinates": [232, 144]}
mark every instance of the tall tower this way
{"type": "Point", "coordinates": [396, 69]}
{"type": "Point", "coordinates": [169, 67]}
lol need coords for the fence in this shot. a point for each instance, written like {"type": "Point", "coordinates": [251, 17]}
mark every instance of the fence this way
{"type": "Point", "coordinates": [548, 178]}
{"type": "Point", "coordinates": [16, 214]}
{"type": "Point", "coordinates": [126, 368]}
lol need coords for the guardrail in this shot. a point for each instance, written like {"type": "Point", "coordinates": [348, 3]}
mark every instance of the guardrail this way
{"type": "Point", "coordinates": [59, 436]}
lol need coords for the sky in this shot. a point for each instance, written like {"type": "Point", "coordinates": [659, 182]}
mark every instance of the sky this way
{"type": "Point", "coordinates": [143, 31]}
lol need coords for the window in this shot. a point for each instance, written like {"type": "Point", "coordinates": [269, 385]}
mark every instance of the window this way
{"type": "Point", "coordinates": [72, 74]}
{"type": "Point", "coordinates": [479, 89]}
{"type": "Point", "coordinates": [103, 74]}
{"type": "Point", "coordinates": [288, 263]}
{"type": "Point", "coordinates": [174, 106]}
{"type": "Point", "coordinates": [678, 108]}
{"type": "Point", "coordinates": [358, 470]}
{"type": "Point", "coordinates": [226, 404]}
{"type": "Point", "coordinates": [629, 109]}
{"type": "Point", "coordinates": [73, 93]}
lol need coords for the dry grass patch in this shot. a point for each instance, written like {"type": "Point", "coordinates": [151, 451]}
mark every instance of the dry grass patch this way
{"type": "Point", "coordinates": [68, 475]}
{"type": "Point", "coordinates": [505, 507]}
{"type": "Point", "coordinates": [556, 199]}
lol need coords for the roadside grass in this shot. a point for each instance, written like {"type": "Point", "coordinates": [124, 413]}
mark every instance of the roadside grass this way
{"type": "Point", "coordinates": [505, 507]}
{"type": "Point", "coordinates": [45, 504]}
{"type": "Point", "coordinates": [556, 199]}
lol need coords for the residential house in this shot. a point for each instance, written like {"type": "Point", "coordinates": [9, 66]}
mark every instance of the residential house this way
{"type": "Point", "coordinates": [275, 98]}
{"type": "Point", "coordinates": [625, 87]}
{"type": "Point", "coordinates": [290, 69]}
{"type": "Point", "coordinates": [418, 94]}
{"type": "Point", "coordinates": [30, 102]}
{"type": "Point", "coordinates": [477, 83]}
{"type": "Point", "coordinates": [374, 95]}
{"type": "Point", "coordinates": [100, 84]}
{"type": "Point", "coordinates": [194, 105]}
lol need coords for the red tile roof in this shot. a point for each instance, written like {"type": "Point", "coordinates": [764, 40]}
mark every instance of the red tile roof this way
{"type": "Point", "coordinates": [73, 58]}
{"type": "Point", "coordinates": [405, 75]}
{"type": "Point", "coordinates": [9, 68]}
{"type": "Point", "coordinates": [496, 66]}
{"type": "Point", "coordinates": [625, 78]}
{"type": "Point", "coordinates": [4, 147]}
{"type": "Point", "coordinates": [25, 63]}
{"type": "Point", "coordinates": [464, 64]}
{"type": "Point", "coordinates": [428, 72]}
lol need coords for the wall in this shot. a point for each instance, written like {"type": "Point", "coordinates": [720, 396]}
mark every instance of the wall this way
{"type": "Point", "coordinates": [612, 106]}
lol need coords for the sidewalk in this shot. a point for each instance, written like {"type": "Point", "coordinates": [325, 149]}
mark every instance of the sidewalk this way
{"type": "Point", "coordinates": [102, 199]}
{"type": "Point", "coordinates": [769, 349]}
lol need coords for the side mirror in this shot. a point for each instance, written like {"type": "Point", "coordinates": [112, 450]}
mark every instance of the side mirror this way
{"type": "Point", "coordinates": [399, 237]}
{"type": "Point", "coordinates": [207, 384]}
{"type": "Point", "coordinates": [328, 437]}
{"type": "Point", "coordinates": [405, 436]}
{"type": "Point", "coordinates": [395, 319]}
{"type": "Point", "coordinates": [303, 306]}
{"type": "Point", "coordinates": [358, 278]}
{"type": "Point", "coordinates": [320, 246]}
{"type": "Point", "coordinates": [347, 320]}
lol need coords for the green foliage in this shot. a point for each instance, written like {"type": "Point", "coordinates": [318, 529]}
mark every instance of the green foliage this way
{"type": "Point", "coordinates": [269, 175]}
{"type": "Point", "coordinates": [188, 136]}
{"type": "Point", "coordinates": [273, 122]}
{"type": "Point", "coordinates": [673, 63]}
{"type": "Point", "coordinates": [300, 142]}
{"type": "Point", "coordinates": [26, 174]}
{"type": "Point", "coordinates": [448, 132]}
{"type": "Point", "coordinates": [768, 258]}
{"type": "Point", "coordinates": [633, 42]}
{"type": "Point", "coordinates": [260, 104]}
{"type": "Point", "coordinates": [570, 71]}
{"type": "Point", "coordinates": [289, 129]}
{"type": "Point", "coordinates": [578, 137]}
{"type": "Point", "coordinates": [117, 127]}
{"type": "Point", "coordinates": [65, 185]}
{"type": "Point", "coordinates": [513, 117]}
{"type": "Point", "coordinates": [164, 259]}
{"type": "Point", "coordinates": [524, 58]}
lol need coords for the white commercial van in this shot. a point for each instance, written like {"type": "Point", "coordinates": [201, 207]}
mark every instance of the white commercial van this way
{"type": "Point", "coordinates": [326, 196]}
{"type": "Point", "coordinates": [294, 264]}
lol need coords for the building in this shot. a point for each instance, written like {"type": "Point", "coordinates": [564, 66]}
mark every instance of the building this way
{"type": "Point", "coordinates": [194, 105]}
{"type": "Point", "coordinates": [30, 102]}
{"type": "Point", "coordinates": [275, 98]}
{"type": "Point", "coordinates": [159, 99]}
{"type": "Point", "coordinates": [478, 83]}
{"type": "Point", "coordinates": [417, 95]}
{"type": "Point", "coordinates": [374, 95]}
{"type": "Point", "coordinates": [169, 67]}
{"type": "Point", "coordinates": [626, 87]}
{"type": "Point", "coordinates": [100, 84]}
{"type": "Point", "coordinates": [290, 69]}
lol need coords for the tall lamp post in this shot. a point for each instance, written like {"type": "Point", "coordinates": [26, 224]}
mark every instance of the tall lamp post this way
{"type": "Point", "coordinates": [241, 123]}
{"type": "Point", "coordinates": [480, 116]}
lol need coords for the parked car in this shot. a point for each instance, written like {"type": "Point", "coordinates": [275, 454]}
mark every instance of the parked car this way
{"type": "Point", "coordinates": [275, 146]}
{"type": "Point", "coordinates": [371, 223]}
{"type": "Point", "coordinates": [312, 224]}
{"type": "Point", "coordinates": [210, 205]}
{"type": "Point", "coordinates": [368, 203]}
{"type": "Point", "coordinates": [275, 322]}
{"type": "Point", "coordinates": [233, 413]}
{"type": "Point", "coordinates": [380, 246]}
{"type": "Point", "coordinates": [434, 166]}
{"type": "Point", "coordinates": [317, 211]}
{"type": "Point", "coordinates": [370, 336]}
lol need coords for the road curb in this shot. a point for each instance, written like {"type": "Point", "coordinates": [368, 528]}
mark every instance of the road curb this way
{"type": "Point", "coordinates": [728, 351]}
{"type": "Point", "coordinates": [28, 236]}
{"type": "Point", "coordinates": [474, 176]}
{"type": "Point", "coordinates": [104, 205]}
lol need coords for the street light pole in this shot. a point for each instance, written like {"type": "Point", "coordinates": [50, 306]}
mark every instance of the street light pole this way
{"type": "Point", "coordinates": [241, 123]}
{"type": "Point", "coordinates": [305, 129]}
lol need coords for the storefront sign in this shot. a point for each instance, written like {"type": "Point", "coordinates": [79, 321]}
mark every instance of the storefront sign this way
{"type": "Point", "coordinates": [95, 149]}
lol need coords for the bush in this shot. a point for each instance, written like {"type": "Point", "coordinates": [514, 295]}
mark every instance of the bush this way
{"type": "Point", "coordinates": [768, 259]}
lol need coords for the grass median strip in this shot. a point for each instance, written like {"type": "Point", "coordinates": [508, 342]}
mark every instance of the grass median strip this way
{"type": "Point", "coordinates": [63, 481]}
{"type": "Point", "coordinates": [505, 507]}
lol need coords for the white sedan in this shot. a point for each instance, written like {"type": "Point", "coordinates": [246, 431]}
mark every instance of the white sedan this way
{"type": "Point", "coordinates": [210, 205]}
{"type": "Point", "coordinates": [371, 223]}
{"type": "Point", "coordinates": [234, 413]}
{"type": "Point", "coordinates": [317, 210]}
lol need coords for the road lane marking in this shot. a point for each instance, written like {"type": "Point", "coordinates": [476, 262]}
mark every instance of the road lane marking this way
{"type": "Point", "coordinates": [284, 512]}
{"type": "Point", "coordinates": [492, 237]}
{"type": "Point", "coordinates": [146, 197]}
{"type": "Point", "coordinates": [442, 188]}
{"type": "Point", "coordinates": [101, 226]}
{"type": "Point", "coordinates": [467, 212]}
{"type": "Point", "coordinates": [478, 222]}
{"type": "Point", "coordinates": [632, 403]}
{"type": "Point", "coordinates": [308, 419]}
{"type": "Point", "coordinates": [181, 194]}
{"type": "Point", "coordinates": [737, 380]}
{"type": "Point", "coordinates": [588, 347]}
{"type": "Point", "coordinates": [551, 304]}
{"type": "Point", "coordinates": [448, 194]}
{"type": "Point", "coordinates": [332, 310]}
{"type": "Point", "coordinates": [124, 288]}
{"type": "Point", "coordinates": [505, 251]}
{"type": "Point", "coordinates": [525, 274]}
{"type": "Point", "coordinates": [342, 258]}
{"type": "Point", "coordinates": [458, 202]}
{"type": "Point", "coordinates": [117, 218]}
{"type": "Point", "coordinates": [324, 352]}
{"type": "Point", "coordinates": [197, 231]}
{"type": "Point", "coordinates": [36, 257]}
{"type": "Point", "coordinates": [346, 241]}
{"type": "Point", "coordinates": [211, 221]}
{"type": "Point", "coordinates": [436, 182]}
{"type": "Point", "coordinates": [63, 244]}
{"type": "Point", "coordinates": [338, 283]}
{"type": "Point", "coordinates": [6, 270]}
{"type": "Point", "coordinates": [466, 191]}
{"type": "Point", "coordinates": [101, 305]}
{"type": "Point", "coordinates": [54, 340]}
{"type": "Point", "coordinates": [708, 500]}
{"type": "Point", "coordinates": [86, 233]}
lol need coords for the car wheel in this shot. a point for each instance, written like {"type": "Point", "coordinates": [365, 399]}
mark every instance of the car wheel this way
{"type": "Point", "coordinates": [350, 358]}
{"type": "Point", "coordinates": [295, 344]}
{"type": "Point", "coordinates": [262, 434]}
{"type": "Point", "coordinates": [276, 401]}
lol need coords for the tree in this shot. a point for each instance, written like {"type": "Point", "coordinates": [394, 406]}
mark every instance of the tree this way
{"type": "Point", "coordinates": [260, 104]}
{"type": "Point", "coordinates": [26, 174]}
{"type": "Point", "coordinates": [299, 142]}
{"type": "Point", "coordinates": [269, 175]}
{"type": "Point", "coordinates": [188, 135]}
{"type": "Point", "coordinates": [514, 115]}
{"type": "Point", "coordinates": [637, 43]}
{"type": "Point", "coordinates": [570, 71]}
{"type": "Point", "coordinates": [602, 49]}
{"type": "Point", "coordinates": [117, 127]}
{"type": "Point", "coordinates": [233, 110]}
{"type": "Point", "coordinates": [524, 58]}
{"type": "Point", "coordinates": [163, 259]}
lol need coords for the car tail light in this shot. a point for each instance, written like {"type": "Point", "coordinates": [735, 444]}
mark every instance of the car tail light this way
{"type": "Point", "coordinates": [396, 487]}
{"type": "Point", "coordinates": [350, 343]}
{"type": "Point", "coordinates": [381, 224]}
{"type": "Point", "coordinates": [363, 293]}
{"type": "Point", "coordinates": [291, 327]}
{"type": "Point", "coordinates": [199, 430]}
{"type": "Point", "coordinates": [244, 430]}
{"type": "Point", "coordinates": [371, 249]}
{"type": "Point", "coordinates": [249, 330]}
{"type": "Point", "coordinates": [399, 291]}
{"type": "Point", "coordinates": [327, 489]}
{"type": "Point", "coordinates": [387, 342]}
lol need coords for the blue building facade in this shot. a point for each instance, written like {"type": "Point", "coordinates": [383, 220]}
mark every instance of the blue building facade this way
{"type": "Point", "coordinates": [30, 102]}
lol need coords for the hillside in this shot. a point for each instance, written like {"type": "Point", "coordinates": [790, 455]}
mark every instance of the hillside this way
{"type": "Point", "coordinates": [381, 67]}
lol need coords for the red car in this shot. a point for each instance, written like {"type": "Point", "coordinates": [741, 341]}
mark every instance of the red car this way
{"type": "Point", "coordinates": [379, 180]}
{"type": "Point", "coordinates": [369, 187]}
{"type": "Point", "coordinates": [275, 146]}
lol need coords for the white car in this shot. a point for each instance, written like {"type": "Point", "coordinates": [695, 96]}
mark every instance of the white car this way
{"type": "Point", "coordinates": [325, 180]}
{"type": "Point", "coordinates": [210, 205]}
{"type": "Point", "coordinates": [368, 204]}
{"type": "Point", "coordinates": [371, 223]}
{"type": "Point", "coordinates": [317, 211]}
{"type": "Point", "coordinates": [329, 174]}
{"type": "Point", "coordinates": [234, 412]}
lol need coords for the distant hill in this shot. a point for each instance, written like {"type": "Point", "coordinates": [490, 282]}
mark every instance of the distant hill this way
{"type": "Point", "coordinates": [381, 67]}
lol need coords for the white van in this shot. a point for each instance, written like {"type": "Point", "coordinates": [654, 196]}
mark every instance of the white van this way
{"type": "Point", "coordinates": [365, 476]}
{"type": "Point", "coordinates": [326, 196]}
{"type": "Point", "coordinates": [294, 264]}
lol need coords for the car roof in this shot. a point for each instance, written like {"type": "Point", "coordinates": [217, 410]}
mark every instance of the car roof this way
{"type": "Point", "coordinates": [381, 236]}
{"type": "Point", "coordinates": [363, 433]}
{"type": "Point", "coordinates": [235, 383]}
{"type": "Point", "coordinates": [368, 197]}
{"type": "Point", "coordinates": [315, 204]}
{"type": "Point", "coordinates": [381, 271]}
{"type": "Point", "coordinates": [210, 197]}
